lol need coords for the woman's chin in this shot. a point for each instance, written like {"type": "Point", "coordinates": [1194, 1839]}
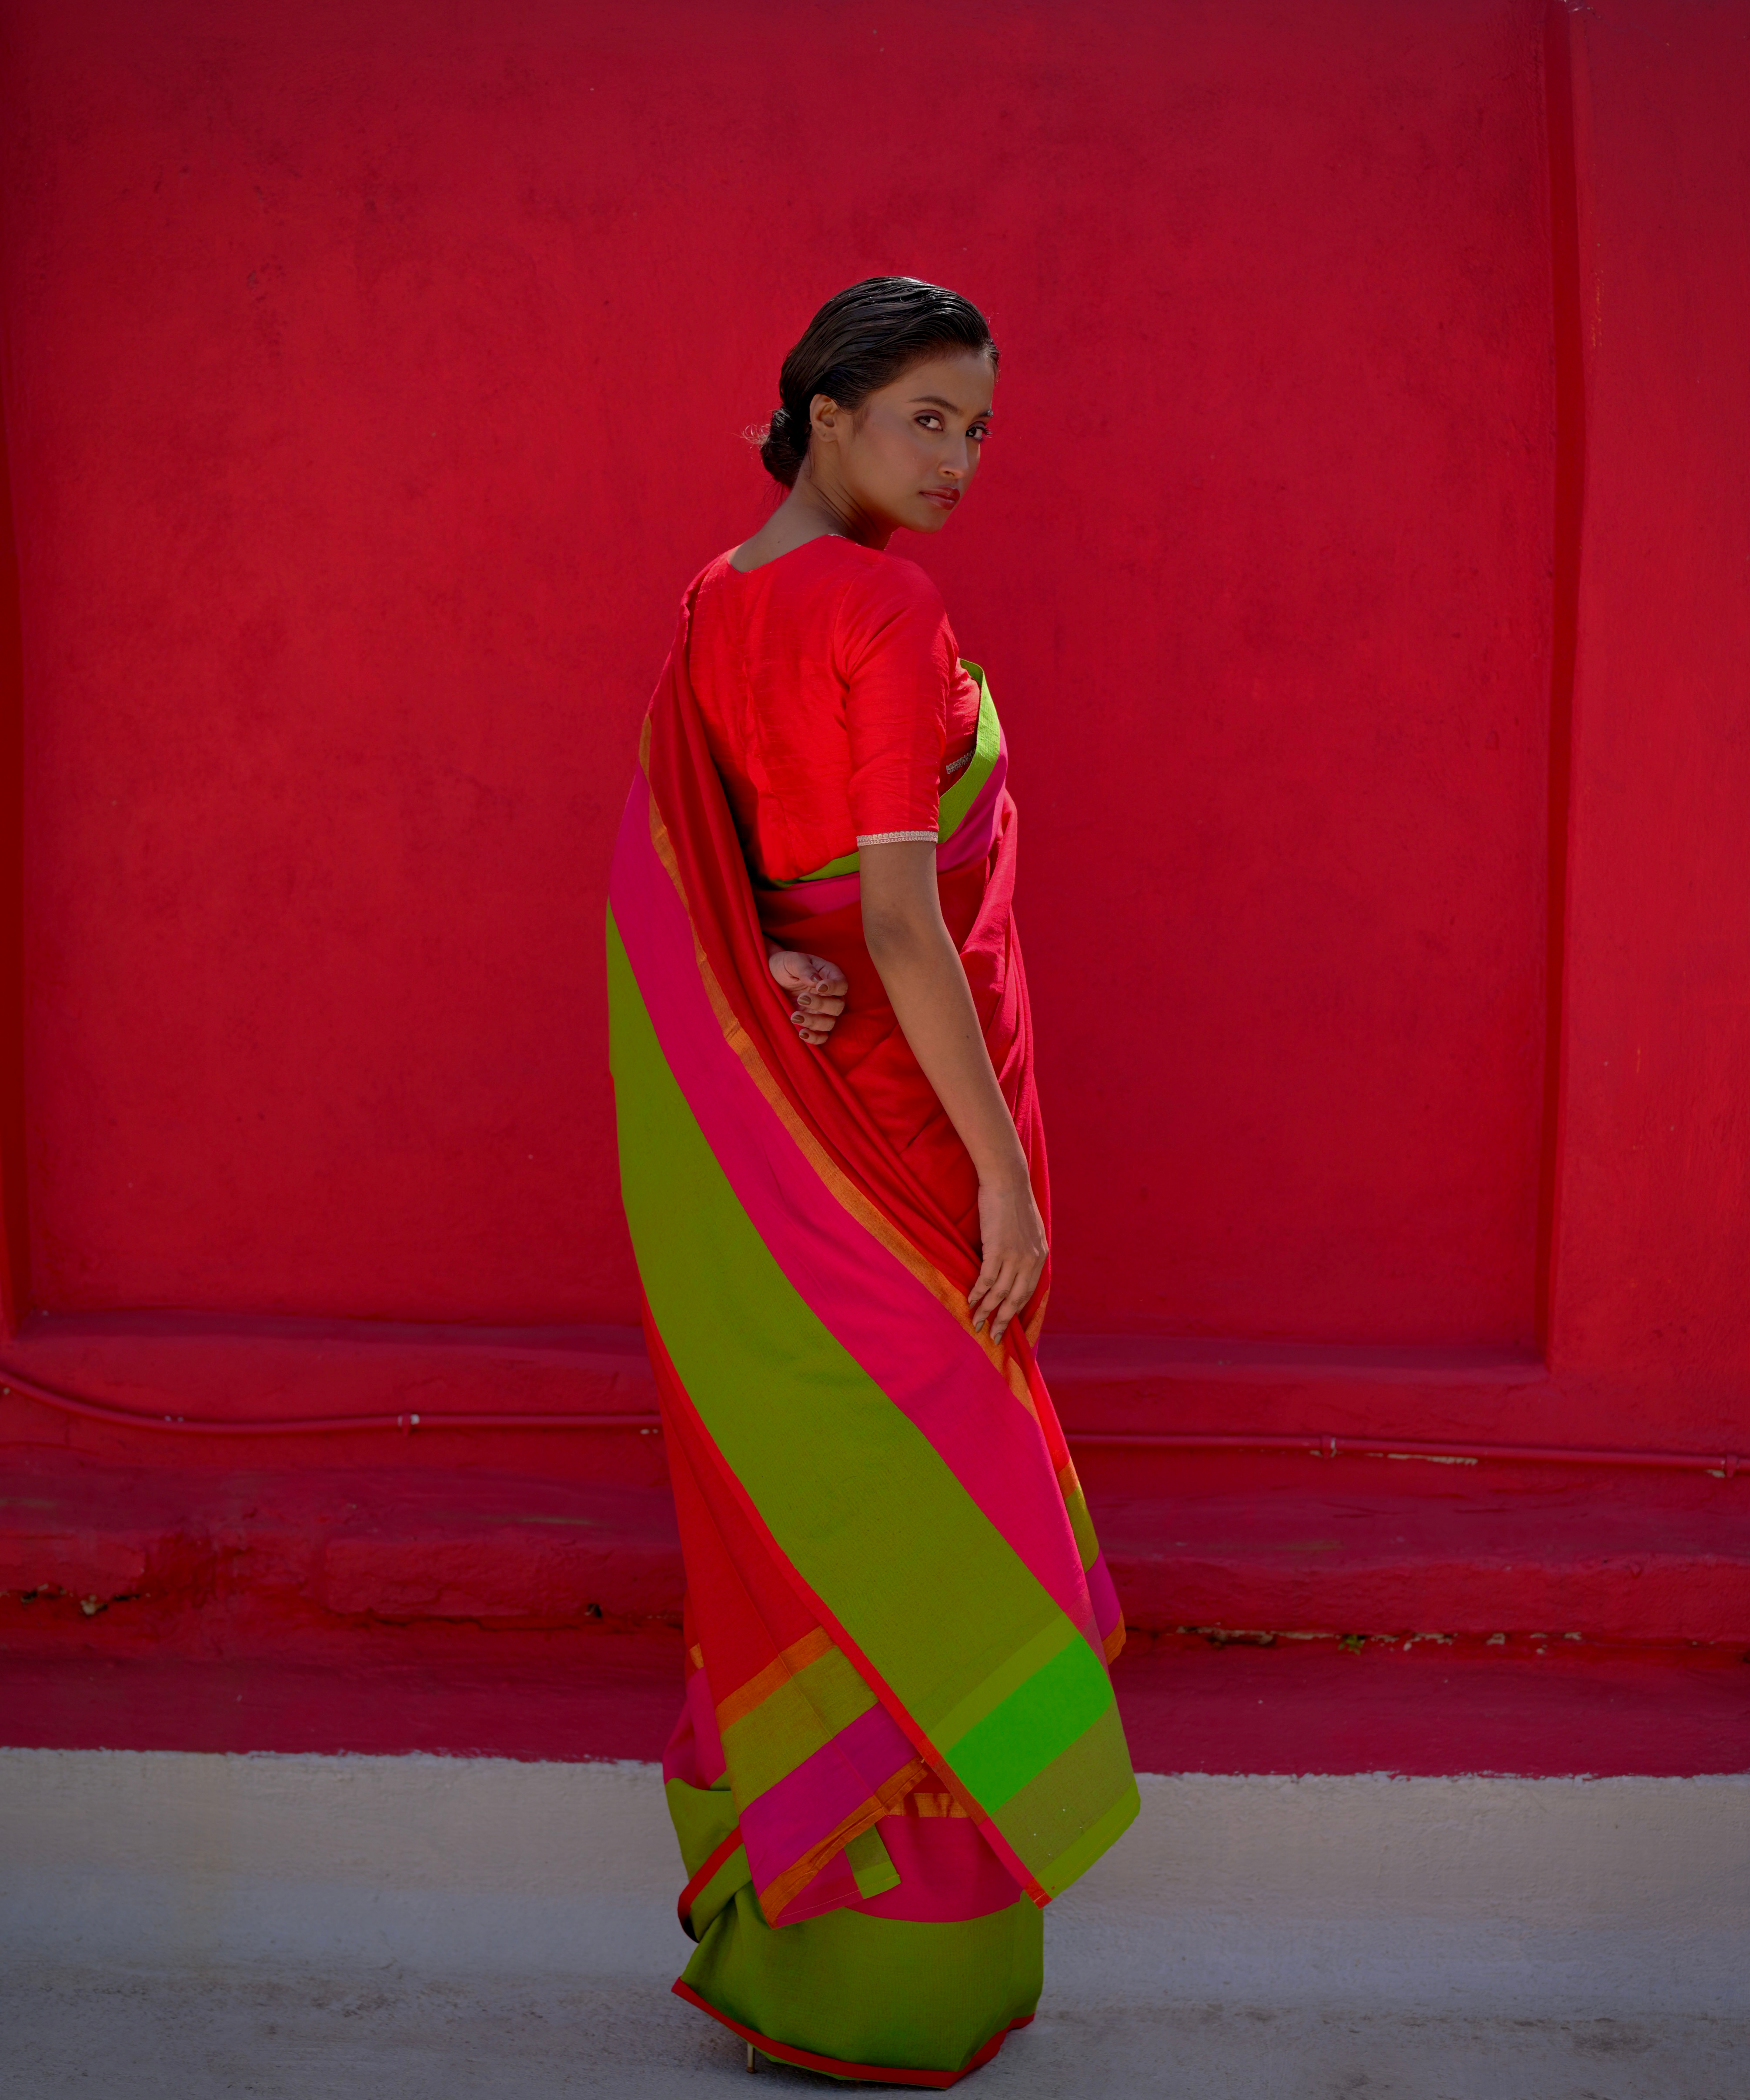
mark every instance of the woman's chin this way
{"type": "Point", "coordinates": [927, 516]}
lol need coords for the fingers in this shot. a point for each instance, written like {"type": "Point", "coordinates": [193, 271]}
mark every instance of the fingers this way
{"type": "Point", "coordinates": [1002, 1291]}
{"type": "Point", "coordinates": [820, 989]}
{"type": "Point", "coordinates": [826, 977]}
{"type": "Point", "coordinates": [1000, 1308]}
{"type": "Point", "coordinates": [798, 973]}
{"type": "Point", "coordinates": [814, 1015]}
{"type": "Point", "coordinates": [985, 1293]}
{"type": "Point", "coordinates": [1013, 1306]}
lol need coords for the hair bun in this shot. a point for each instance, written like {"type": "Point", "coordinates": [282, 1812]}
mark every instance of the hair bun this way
{"type": "Point", "coordinates": [780, 453]}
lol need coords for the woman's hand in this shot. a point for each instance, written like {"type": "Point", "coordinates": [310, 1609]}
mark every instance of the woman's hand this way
{"type": "Point", "coordinates": [1012, 1244]}
{"type": "Point", "coordinates": [816, 989]}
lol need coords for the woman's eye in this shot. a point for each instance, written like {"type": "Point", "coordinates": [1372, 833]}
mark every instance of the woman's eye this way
{"type": "Point", "coordinates": [931, 422]}
{"type": "Point", "coordinates": [981, 431]}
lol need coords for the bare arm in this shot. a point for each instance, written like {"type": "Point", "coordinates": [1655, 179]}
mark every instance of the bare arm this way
{"type": "Point", "coordinates": [911, 949]}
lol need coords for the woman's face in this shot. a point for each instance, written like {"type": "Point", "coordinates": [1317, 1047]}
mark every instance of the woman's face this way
{"type": "Point", "coordinates": [908, 454]}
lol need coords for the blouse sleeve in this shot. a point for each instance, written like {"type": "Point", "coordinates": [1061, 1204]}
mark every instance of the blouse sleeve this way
{"type": "Point", "coordinates": [898, 659]}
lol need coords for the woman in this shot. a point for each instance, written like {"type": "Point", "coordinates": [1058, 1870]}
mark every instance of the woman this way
{"type": "Point", "coordinates": [899, 1739]}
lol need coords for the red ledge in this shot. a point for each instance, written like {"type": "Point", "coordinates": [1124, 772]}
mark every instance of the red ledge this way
{"type": "Point", "coordinates": [1221, 1702]}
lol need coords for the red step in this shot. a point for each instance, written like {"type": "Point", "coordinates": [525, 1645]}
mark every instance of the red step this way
{"type": "Point", "coordinates": [1654, 1559]}
{"type": "Point", "coordinates": [1527, 1707]}
{"type": "Point", "coordinates": [198, 1559]}
{"type": "Point", "coordinates": [137, 1549]}
{"type": "Point", "coordinates": [422, 1607]}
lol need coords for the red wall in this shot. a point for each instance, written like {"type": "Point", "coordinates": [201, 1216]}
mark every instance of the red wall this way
{"type": "Point", "coordinates": [1653, 1237]}
{"type": "Point", "coordinates": [374, 383]}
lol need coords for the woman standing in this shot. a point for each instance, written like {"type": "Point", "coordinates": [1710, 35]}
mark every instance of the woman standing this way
{"type": "Point", "coordinates": [899, 1740]}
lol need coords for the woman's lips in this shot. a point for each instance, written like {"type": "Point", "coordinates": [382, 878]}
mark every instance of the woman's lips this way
{"type": "Point", "coordinates": [947, 497]}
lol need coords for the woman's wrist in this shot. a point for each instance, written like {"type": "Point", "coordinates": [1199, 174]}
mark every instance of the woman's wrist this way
{"type": "Point", "coordinates": [1008, 1175]}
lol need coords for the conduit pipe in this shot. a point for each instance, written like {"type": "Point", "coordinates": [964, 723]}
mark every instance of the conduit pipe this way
{"type": "Point", "coordinates": [1725, 1465]}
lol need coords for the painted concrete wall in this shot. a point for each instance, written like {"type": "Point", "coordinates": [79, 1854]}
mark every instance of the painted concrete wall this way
{"type": "Point", "coordinates": [376, 381]}
{"type": "Point", "coordinates": [370, 396]}
{"type": "Point", "coordinates": [1368, 497]}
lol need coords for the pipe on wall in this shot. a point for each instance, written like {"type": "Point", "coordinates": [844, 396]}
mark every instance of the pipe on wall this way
{"type": "Point", "coordinates": [1316, 1446]}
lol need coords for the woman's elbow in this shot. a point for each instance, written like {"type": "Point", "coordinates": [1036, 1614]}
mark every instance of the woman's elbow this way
{"type": "Point", "coordinates": [894, 935]}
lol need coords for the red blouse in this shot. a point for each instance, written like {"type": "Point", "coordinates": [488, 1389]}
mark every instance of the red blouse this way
{"type": "Point", "coordinates": [833, 698]}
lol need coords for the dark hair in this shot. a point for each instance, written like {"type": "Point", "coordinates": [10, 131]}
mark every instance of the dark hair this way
{"type": "Point", "coordinates": [861, 340]}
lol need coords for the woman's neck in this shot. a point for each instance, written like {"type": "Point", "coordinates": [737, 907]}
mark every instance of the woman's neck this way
{"type": "Point", "coordinates": [811, 511]}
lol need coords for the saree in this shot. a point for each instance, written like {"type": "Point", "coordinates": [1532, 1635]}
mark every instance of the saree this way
{"type": "Point", "coordinates": [899, 1739]}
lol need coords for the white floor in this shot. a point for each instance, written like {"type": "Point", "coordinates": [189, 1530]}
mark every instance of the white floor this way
{"type": "Point", "coordinates": [437, 1928]}
{"type": "Point", "coordinates": [208, 2035]}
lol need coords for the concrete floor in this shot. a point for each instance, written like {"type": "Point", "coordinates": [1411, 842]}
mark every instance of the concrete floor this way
{"type": "Point", "coordinates": [420, 1928]}
{"type": "Point", "coordinates": [75, 2035]}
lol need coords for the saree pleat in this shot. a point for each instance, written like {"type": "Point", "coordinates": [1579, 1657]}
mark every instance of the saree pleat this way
{"type": "Point", "coordinates": [894, 1595]}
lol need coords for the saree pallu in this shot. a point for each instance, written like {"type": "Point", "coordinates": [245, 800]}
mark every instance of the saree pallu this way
{"type": "Point", "coordinates": [899, 1739]}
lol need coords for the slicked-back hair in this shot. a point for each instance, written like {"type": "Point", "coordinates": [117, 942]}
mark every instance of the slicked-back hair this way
{"type": "Point", "coordinates": [861, 340]}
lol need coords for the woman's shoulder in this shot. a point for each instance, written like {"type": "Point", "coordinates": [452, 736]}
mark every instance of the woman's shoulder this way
{"type": "Point", "coordinates": [710, 572]}
{"type": "Point", "coordinates": [885, 587]}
